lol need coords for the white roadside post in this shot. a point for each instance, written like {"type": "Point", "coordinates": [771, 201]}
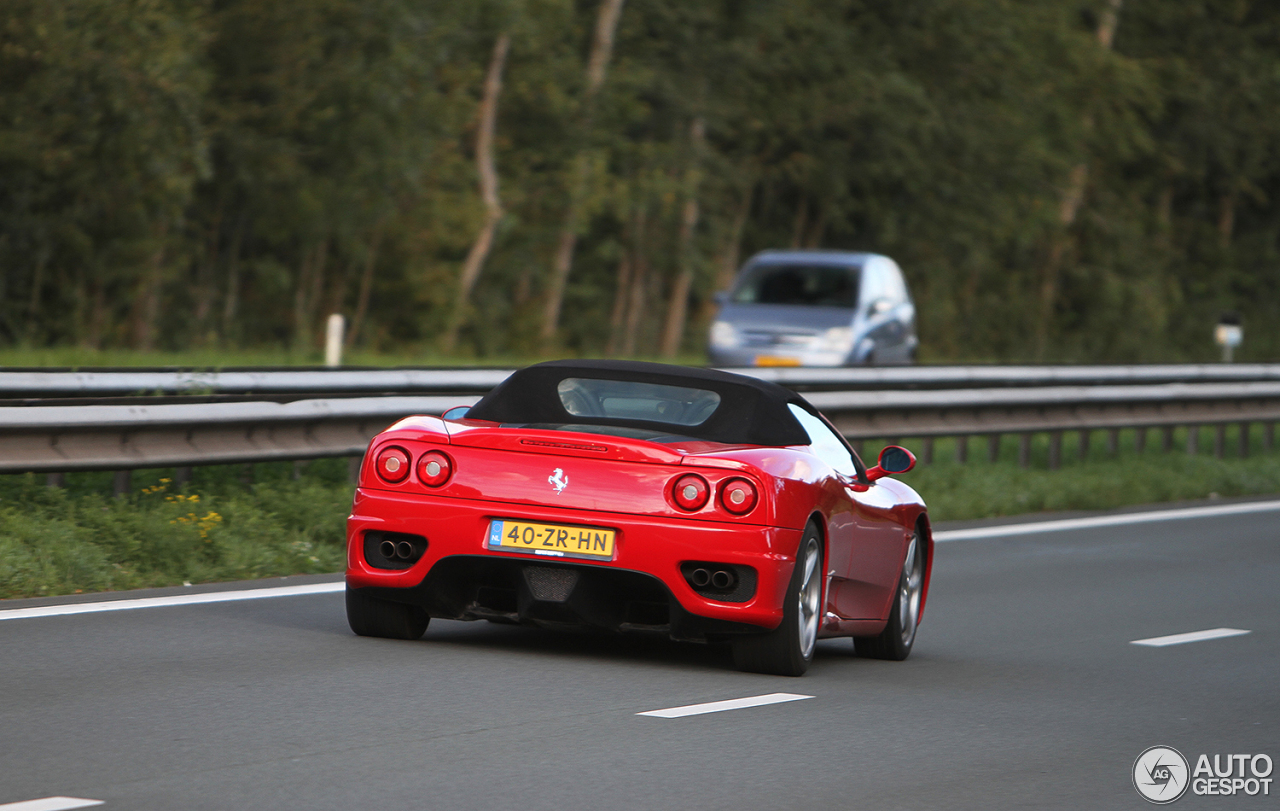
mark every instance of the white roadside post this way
{"type": "Point", "coordinates": [333, 340]}
{"type": "Point", "coordinates": [1228, 334]}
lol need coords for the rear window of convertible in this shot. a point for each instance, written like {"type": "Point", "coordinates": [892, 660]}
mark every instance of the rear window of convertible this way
{"type": "Point", "coordinates": [629, 400]}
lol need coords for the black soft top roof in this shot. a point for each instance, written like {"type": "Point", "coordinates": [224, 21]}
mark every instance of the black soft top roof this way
{"type": "Point", "coordinates": [751, 412]}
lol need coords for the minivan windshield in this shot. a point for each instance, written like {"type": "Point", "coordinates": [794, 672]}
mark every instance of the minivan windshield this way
{"type": "Point", "coordinates": [810, 285]}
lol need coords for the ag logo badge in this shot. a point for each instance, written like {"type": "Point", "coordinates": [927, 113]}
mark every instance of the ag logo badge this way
{"type": "Point", "coordinates": [1161, 774]}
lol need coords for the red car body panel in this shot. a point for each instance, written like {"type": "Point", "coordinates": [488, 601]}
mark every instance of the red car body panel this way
{"type": "Point", "coordinates": [627, 485]}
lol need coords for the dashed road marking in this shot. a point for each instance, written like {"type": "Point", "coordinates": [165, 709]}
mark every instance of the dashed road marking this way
{"type": "Point", "coordinates": [1194, 636]}
{"type": "Point", "coordinates": [1096, 522]}
{"type": "Point", "coordinates": [50, 804]}
{"type": "Point", "coordinates": [161, 602]}
{"type": "Point", "coordinates": [721, 706]}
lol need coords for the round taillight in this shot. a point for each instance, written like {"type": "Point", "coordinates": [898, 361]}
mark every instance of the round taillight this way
{"type": "Point", "coordinates": [738, 496]}
{"type": "Point", "coordinates": [690, 492]}
{"type": "Point", "coordinates": [434, 468]}
{"type": "Point", "coordinates": [393, 464]}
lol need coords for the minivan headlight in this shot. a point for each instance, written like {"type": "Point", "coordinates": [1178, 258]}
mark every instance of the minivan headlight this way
{"type": "Point", "coordinates": [836, 339]}
{"type": "Point", "coordinates": [724, 335]}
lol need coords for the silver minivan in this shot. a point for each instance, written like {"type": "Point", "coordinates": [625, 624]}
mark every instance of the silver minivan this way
{"type": "Point", "coordinates": [815, 308]}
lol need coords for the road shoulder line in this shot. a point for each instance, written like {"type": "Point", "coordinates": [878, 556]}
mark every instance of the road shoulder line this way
{"type": "Point", "coordinates": [161, 602]}
{"type": "Point", "coordinates": [1100, 521]}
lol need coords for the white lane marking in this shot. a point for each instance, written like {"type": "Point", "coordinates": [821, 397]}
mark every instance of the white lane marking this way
{"type": "Point", "coordinates": [1105, 521]}
{"type": "Point", "coordinates": [721, 706]}
{"type": "Point", "coordinates": [160, 602]}
{"type": "Point", "coordinates": [50, 804]}
{"type": "Point", "coordinates": [1194, 636]}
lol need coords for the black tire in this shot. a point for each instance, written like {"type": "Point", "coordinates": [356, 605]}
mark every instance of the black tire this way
{"type": "Point", "coordinates": [788, 649]}
{"type": "Point", "coordinates": [371, 616]}
{"type": "Point", "coordinates": [899, 634]}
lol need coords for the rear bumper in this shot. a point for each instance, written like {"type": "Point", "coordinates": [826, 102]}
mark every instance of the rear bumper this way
{"type": "Point", "coordinates": [458, 577]}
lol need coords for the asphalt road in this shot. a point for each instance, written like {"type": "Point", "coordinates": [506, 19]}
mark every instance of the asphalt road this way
{"type": "Point", "coordinates": [1023, 692]}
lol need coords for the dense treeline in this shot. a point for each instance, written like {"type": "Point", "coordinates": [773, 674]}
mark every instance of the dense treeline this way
{"type": "Point", "coordinates": [1090, 180]}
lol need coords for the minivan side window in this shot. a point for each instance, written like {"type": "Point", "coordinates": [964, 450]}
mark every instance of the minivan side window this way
{"type": "Point", "coordinates": [825, 444]}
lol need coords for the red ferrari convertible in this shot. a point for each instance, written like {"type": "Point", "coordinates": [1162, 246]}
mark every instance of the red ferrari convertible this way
{"type": "Point", "coordinates": [640, 497]}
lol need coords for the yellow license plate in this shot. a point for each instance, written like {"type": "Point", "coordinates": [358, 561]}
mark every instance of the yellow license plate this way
{"type": "Point", "coordinates": [775, 360]}
{"type": "Point", "coordinates": [553, 540]}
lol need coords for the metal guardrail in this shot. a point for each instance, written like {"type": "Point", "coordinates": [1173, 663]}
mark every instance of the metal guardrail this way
{"type": "Point", "coordinates": [68, 437]}
{"type": "Point", "coordinates": [28, 383]}
{"type": "Point", "coordinates": [960, 377]}
{"type": "Point", "coordinates": [993, 413]}
{"type": "Point", "coordinates": [122, 437]}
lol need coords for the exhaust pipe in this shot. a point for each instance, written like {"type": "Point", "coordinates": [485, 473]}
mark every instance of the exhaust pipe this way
{"type": "Point", "coordinates": [700, 578]}
{"type": "Point", "coordinates": [387, 550]}
{"type": "Point", "coordinates": [723, 579]}
{"type": "Point", "coordinates": [404, 550]}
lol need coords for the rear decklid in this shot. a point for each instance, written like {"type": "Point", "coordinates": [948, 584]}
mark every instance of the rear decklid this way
{"type": "Point", "coordinates": [555, 468]}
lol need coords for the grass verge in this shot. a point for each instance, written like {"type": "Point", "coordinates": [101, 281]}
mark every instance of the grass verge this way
{"type": "Point", "coordinates": [222, 527]}
{"type": "Point", "coordinates": [64, 541]}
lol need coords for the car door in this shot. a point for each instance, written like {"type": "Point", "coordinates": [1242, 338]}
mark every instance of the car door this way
{"type": "Point", "coordinates": [901, 338]}
{"type": "Point", "coordinates": [875, 563]}
{"type": "Point", "coordinates": [876, 311]}
{"type": "Point", "coordinates": [864, 539]}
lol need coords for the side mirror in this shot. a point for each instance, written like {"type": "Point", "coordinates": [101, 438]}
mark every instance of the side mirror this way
{"type": "Point", "coordinates": [893, 460]}
{"type": "Point", "coordinates": [879, 307]}
{"type": "Point", "coordinates": [456, 413]}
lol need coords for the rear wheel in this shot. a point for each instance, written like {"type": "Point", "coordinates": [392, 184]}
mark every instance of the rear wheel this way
{"type": "Point", "coordinates": [372, 616]}
{"type": "Point", "coordinates": [788, 649]}
{"type": "Point", "coordinates": [895, 641]}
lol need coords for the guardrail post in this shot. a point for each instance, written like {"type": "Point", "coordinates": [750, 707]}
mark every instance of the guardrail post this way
{"type": "Point", "coordinates": [926, 451]}
{"type": "Point", "coordinates": [1140, 439]}
{"type": "Point", "coordinates": [962, 449]}
{"type": "Point", "coordinates": [1193, 440]}
{"type": "Point", "coordinates": [1166, 441]}
{"type": "Point", "coordinates": [993, 448]}
{"type": "Point", "coordinates": [1243, 447]}
{"type": "Point", "coordinates": [353, 468]}
{"type": "Point", "coordinates": [1084, 444]}
{"type": "Point", "coordinates": [1055, 450]}
{"type": "Point", "coordinates": [1113, 442]}
{"type": "Point", "coordinates": [1024, 450]}
{"type": "Point", "coordinates": [1268, 436]}
{"type": "Point", "coordinates": [1219, 440]}
{"type": "Point", "coordinates": [181, 476]}
{"type": "Point", "coordinates": [122, 484]}
{"type": "Point", "coordinates": [56, 480]}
